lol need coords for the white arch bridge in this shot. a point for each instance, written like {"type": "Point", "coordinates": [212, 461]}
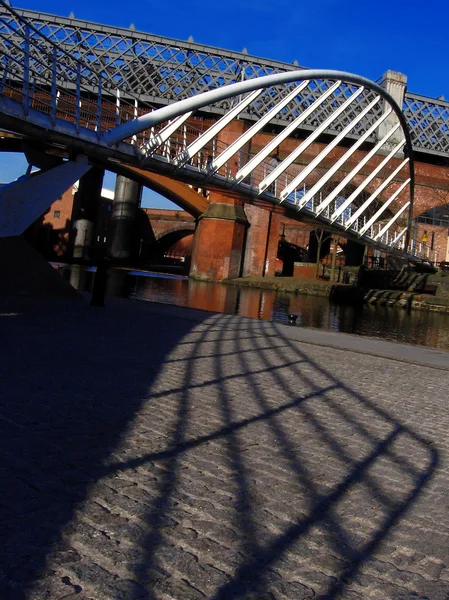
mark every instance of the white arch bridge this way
{"type": "Point", "coordinates": [350, 167]}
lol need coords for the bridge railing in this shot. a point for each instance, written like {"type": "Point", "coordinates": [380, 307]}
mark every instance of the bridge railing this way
{"type": "Point", "coordinates": [43, 76]}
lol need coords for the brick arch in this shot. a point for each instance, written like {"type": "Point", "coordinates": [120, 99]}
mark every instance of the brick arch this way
{"type": "Point", "coordinates": [179, 193]}
{"type": "Point", "coordinates": [182, 229]}
{"type": "Point", "coordinates": [172, 237]}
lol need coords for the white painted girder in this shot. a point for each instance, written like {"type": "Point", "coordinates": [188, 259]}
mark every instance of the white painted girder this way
{"type": "Point", "coordinates": [355, 170]}
{"type": "Point", "coordinates": [375, 194]}
{"type": "Point", "coordinates": [214, 130]}
{"type": "Point", "coordinates": [366, 182]}
{"type": "Point", "coordinates": [277, 171]}
{"type": "Point", "coordinates": [222, 158]}
{"type": "Point", "coordinates": [271, 146]}
{"type": "Point", "coordinates": [341, 161]}
{"type": "Point", "coordinates": [316, 161]}
{"type": "Point", "coordinates": [384, 207]}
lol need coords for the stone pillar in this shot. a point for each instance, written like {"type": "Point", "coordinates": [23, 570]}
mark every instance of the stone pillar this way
{"type": "Point", "coordinates": [219, 239]}
{"type": "Point", "coordinates": [262, 241]}
{"type": "Point", "coordinates": [85, 207]}
{"type": "Point", "coordinates": [395, 84]}
{"type": "Point", "coordinates": [121, 234]}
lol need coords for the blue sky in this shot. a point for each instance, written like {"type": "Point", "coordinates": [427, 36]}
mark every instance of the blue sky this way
{"type": "Point", "coordinates": [356, 36]}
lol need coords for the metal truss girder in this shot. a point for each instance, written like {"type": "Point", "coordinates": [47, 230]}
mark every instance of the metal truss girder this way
{"type": "Point", "coordinates": [212, 97]}
{"type": "Point", "coordinates": [366, 182]}
{"type": "Point", "coordinates": [384, 207]}
{"type": "Point", "coordinates": [171, 70]}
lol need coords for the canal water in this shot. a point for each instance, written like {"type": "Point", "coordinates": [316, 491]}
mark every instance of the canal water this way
{"type": "Point", "coordinates": [416, 327]}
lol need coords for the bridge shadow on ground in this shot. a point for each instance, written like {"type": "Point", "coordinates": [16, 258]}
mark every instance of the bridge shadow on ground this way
{"type": "Point", "coordinates": [148, 455]}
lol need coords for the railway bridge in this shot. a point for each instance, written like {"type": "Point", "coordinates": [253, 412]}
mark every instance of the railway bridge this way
{"type": "Point", "coordinates": [239, 142]}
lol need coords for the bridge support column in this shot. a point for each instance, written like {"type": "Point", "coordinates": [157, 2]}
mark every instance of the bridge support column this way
{"type": "Point", "coordinates": [395, 84]}
{"type": "Point", "coordinates": [127, 198]}
{"type": "Point", "coordinates": [261, 242]}
{"type": "Point", "coordinates": [219, 239]}
{"type": "Point", "coordinates": [85, 209]}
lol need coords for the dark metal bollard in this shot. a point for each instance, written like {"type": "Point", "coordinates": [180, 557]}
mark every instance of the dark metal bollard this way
{"type": "Point", "coordinates": [292, 319]}
{"type": "Point", "coordinates": [99, 285]}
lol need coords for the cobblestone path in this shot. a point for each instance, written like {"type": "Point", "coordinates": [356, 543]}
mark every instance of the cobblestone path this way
{"type": "Point", "coordinates": [160, 453]}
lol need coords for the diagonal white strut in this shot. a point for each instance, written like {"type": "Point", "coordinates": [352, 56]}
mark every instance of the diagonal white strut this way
{"type": "Point", "coordinates": [206, 137]}
{"type": "Point", "coordinates": [316, 161]}
{"type": "Point", "coordinates": [256, 160]}
{"type": "Point", "coordinates": [391, 221]}
{"type": "Point", "coordinates": [384, 207]}
{"type": "Point", "coordinates": [366, 182]}
{"type": "Point", "coordinates": [162, 136]}
{"type": "Point", "coordinates": [277, 171]}
{"type": "Point", "coordinates": [340, 162]}
{"type": "Point", "coordinates": [222, 158]}
{"type": "Point", "coordinates": [354, 171]}
{"type": "Point", "coordinates": [398, 237]}
{"type": "Point", "coordinates": [374, 195]}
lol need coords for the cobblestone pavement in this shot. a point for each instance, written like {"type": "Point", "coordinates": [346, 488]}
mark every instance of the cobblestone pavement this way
{"type": "Point", "coordinates": [161, 453]}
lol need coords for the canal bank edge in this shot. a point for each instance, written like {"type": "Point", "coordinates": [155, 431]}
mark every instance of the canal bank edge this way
{"type": "Point", "coordinates": [349, 294]}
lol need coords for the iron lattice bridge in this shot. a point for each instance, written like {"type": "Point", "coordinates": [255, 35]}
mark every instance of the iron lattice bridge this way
{"type": "Point", "coordinates": [158, 71]}
{"type": "Point", "coordinates": [350, 168]}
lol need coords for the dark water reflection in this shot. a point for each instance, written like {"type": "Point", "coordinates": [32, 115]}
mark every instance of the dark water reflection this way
{"type": "Point", "coordinates": [416, 327]}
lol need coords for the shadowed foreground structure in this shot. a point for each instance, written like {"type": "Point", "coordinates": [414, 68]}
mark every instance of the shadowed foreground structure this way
{"type": "Point", "coordinates": [151, 452]}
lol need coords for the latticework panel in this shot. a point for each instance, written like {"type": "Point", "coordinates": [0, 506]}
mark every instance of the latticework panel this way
{"type": "Point", "coordinates": [160, 71]}
{"type": "Point", "coordinates": [428, 121]}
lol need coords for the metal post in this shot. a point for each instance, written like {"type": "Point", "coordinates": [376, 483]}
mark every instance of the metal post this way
{"type": "Point", "coordinates": [53, 86]}
{"type": "Point", "coordinates": [78, 97]}
{"type": "Point", "coordinates": [99, 108]}
{"type": "Point", "coordinates": [4, 76]}
{"type": "Point", "coordinates": [117, 107]}
{"type": "Point", "coordinates": [26, 70]}
{"type": "Point", "coordinates": [334, 257]}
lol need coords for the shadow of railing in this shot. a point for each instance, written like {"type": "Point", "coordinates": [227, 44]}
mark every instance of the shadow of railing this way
{"type": "Point", "coordinates": [228, 461]}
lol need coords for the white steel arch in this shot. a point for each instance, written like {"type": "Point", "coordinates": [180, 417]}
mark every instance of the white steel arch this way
{"type": "Point", "coordinates": [348, 98]}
